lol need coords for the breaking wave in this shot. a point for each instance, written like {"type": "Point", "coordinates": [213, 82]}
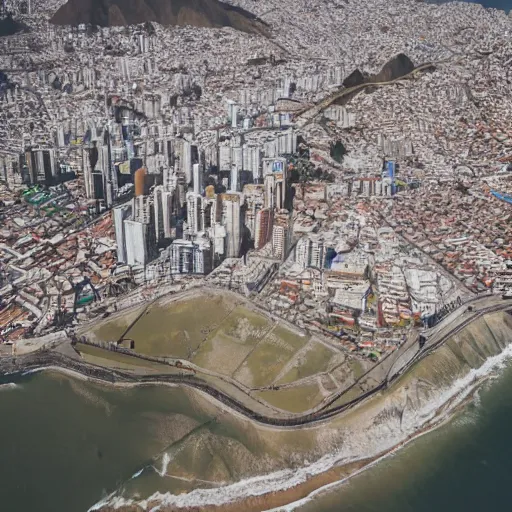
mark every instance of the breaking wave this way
{"type": "Point", "coordinates": [456, 394]}
{"type": "Point", "coordinates": [137, 474]}
{"type": "Point", "coordinates": [165, 463]}
{"type": "Point", "coordinates": [9, 386]}
{"type": "Point", "coordinates": [430, 414]}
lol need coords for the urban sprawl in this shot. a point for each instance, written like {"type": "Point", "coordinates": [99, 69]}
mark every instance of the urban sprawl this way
{"type": "Point", "coordinates": [358, 187]}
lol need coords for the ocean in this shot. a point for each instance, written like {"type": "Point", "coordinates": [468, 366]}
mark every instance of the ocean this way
{"type": "Point", "coordinates": [65, 444]}
{"type": "Point", "coordinates": [504, 5]}
{"type": "Point", "coordinates": [464, 466]}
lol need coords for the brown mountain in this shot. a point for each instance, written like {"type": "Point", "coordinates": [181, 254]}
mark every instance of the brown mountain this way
{"type": "Point", "coordinates": [398, 66]}
{"type": "Point", "coordinates": [9, 26]}
{"type": "Point", "coordinates": [198, 13]}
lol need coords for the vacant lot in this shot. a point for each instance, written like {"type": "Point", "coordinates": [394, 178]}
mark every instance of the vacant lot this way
{"type": "Point", "coordinates": [225, 334]}
{"type": "Point", "coordinates": [296, 399]}
{"type": "Point", "coordinates": [314, 359]}
{"type": "Point", "coordinates": [113, 328]}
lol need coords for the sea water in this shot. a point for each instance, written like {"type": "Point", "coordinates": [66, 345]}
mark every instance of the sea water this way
{"type": "Point", "coordinates": [464, 466]}
{"type": "Point", "coordinates": [65, 443]}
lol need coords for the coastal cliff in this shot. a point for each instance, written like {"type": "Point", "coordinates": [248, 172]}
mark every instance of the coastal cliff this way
{"type": "Point", "coordinates": [423, 398]}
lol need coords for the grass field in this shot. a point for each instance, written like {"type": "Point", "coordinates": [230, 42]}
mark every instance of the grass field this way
{"type": "Point", "coordinates": [314, 360]}
{"type": "Point", "coordinates": [113, 328]}
{"type": "Point", "coordinates": [296, 399]}
{"type": "Point", "coordinates": [223, 333]}
{"type": "Point", "coordinates": [268, 358]}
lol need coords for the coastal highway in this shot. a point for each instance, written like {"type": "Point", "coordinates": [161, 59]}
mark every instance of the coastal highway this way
{"type": "Point", "coordinates": [451, 325]}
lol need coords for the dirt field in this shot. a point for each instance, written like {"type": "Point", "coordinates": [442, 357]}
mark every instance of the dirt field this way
{"type": "Point", "coordinates": [225, 334]}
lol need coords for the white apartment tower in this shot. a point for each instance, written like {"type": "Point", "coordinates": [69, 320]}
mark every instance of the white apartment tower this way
{"type": "Point", "coordinates": [197, 176]}
{"type": "Point", "coordinates": [195, 213]}
{"type": "Point", "coordinates": [119, 215]}
{"type": "Point", "coordinates": [231, 220]}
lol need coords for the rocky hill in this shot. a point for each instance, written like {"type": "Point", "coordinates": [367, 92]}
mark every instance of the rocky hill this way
{"type": "Point", "coordinates": [9, 26]}
{"type": "Point", "coordinates": [198, 13]}
{"type": "Point", "coordinates": [398, 66]}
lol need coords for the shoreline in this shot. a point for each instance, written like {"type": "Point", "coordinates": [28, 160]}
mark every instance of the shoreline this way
{"type": "Point", "coordinates": [287, 500]}
{"type": "Point", "coordinates": [14, 367]}
{"type": "Point", "coordinates": [289, 488]}
{"type": "Point", "coordinates": [298, 494]}
{"type": "Point", "coordinates": [295, 496]}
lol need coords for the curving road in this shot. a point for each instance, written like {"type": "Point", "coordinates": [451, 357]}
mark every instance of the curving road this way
{"type": "Point", "coordinates": [454, 323]}
{"type": "Point", "coordinates": [307, 114]}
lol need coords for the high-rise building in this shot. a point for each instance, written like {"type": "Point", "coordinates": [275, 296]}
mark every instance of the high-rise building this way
{"type": "Point", "coordinates": [232, 109]}
{"type": "Point", "coordinates": [252, 162]}
{"type": "Point", "coordinates": [195, 213]}
{"type": "Point", "coordinates": [41, 166]}
{"type": "Point", "coordinates": [263, 228]}
{"type": "Point", "coordinates": [142, 207]}
{"type": "Point", "coordinates": [303, 252]}
{"type": "Point", "coordinates": [198, 179]}
{"type": "Point", "coordinates": [234, 116]}
{"type": "Point", "coordinates": [10, 170]}
{"type": "Point", "coordinates": [119, 215]}
{"type": "Point", "coordinates": [140, 181]}
{"type": "Point", "coordinates": [87, 173]}
{"type": "Point", "coordinates": [317, 253]}
{"type": "Point", "coordinates": [165, 209]}
{"type": "Point", "coordinates": [275, 185]}
{"type": "Point", "coordinates": [189, 257]}
{"type": "Point", "coordinates": [233, 181]}
{"type": "Point", "coordinates": [135, 232]}
{"type": "Point", "coordinates": [98, 181]}
{"type": "Point", "coordinates": [139, 240]}
{"type": "Point", "coordinates": [231, 219]}
{"type": "Point", "coordinates": [254, 196]}
{"type": "Point", "coordinates": [186, 160]}
{"type": "Point", "coordinates": [237, 163]}
{"type": "Point", "coordinates": [281, 236]}
{"type": "Point", "coordinates": [224, 158]}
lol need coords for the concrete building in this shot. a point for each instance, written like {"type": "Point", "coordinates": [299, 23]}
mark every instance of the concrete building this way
{"type": "Point", "coordinates": [195, 214]}
{"type": "Point", "coordinates": [281, 236]}
{"type": "Point", "coordinates": [232, 221]}
{"type": "Point", "coordinates": [189, 257]}
{"type": "Point", "coordinates": [275, 190]}
{"type": "Point", "coordinates": [139, 242]}
{"type": "Point", "coordinates": [135, 231]}
{"type": "Point", "coordinates": [263, 228]}
{"type": "Point", "coordinates": [119, 215]}
{"type": "Point", "coordinates": [165, 212]}
{"type": "Point", "coordinates": [197, 178]}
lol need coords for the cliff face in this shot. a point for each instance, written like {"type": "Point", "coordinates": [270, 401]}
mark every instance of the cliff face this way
{"type": "Point", "coordinates": [198, 13]}
{"type": "Point", "coordinates": [468, 350]}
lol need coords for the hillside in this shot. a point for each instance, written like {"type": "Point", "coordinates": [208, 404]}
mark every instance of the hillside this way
{"type": "Point", "coordinates": [198, 13]}
{"type": "Point", "coordinates": [9, 26]}
{"type": "Point", "coordinates": [397, 67]}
